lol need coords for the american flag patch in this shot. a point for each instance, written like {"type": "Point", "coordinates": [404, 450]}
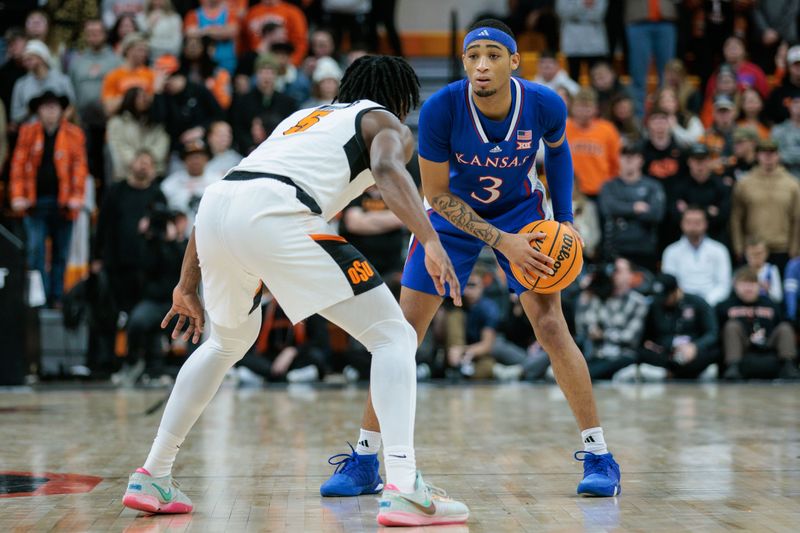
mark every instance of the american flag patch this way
{"type": "Point", "coordinates": [524, 135]}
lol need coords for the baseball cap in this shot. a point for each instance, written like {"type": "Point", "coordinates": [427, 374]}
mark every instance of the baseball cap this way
{"type": "Point", "coordinates": [194, 147]}
{"type": "Point", "coordinates": [724, 102]}
{"type": "Point", "coordinates": [632, 148]}
{"type": "Point", "coordinates": [698, 150]}
{"type": "Point", "coordinates": [793, 55]}
{"type": "Point", "coordinates": [665, 284]}
{"type": "Point", "coordinates": [767, 145]}
{"type": "Point", "coordinates": [267, 61]}
{"type": "Point", "coordinates": [745, 134]}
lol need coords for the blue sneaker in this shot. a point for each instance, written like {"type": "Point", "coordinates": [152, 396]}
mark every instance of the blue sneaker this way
{"type": "Point", "coordinates": [354, 475]}
{"type": "Point", "coordinates": [600, 475]}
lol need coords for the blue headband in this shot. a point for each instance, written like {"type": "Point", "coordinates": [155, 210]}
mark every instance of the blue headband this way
{"type": "Point", "coordinates": [492, 34]}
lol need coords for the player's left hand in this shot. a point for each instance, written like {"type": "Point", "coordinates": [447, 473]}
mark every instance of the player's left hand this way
{"type": "Point", "coordinates": [441, 270]}
{"type": "Point", "coordinates": [187, 307]}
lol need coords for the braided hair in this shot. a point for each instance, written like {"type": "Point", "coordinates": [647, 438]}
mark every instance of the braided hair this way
{"type": "Point", "coordinates": [386, 80]}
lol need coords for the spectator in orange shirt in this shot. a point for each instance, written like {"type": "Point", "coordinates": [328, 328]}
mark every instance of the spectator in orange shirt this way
{"type": "Point", "coordinates": [595, 144]}
{"type": "Point", "coordinates": [218, 20]}
{"type": "Point", "coordinates": [290, 16]}
{"type": "Point", "coordinates": [134, 72]}
{"type": "Point", "coordinates": [47, 182]}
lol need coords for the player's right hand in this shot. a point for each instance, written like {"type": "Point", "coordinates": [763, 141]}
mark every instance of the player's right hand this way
{"type": "Point", "coordinates": [441, 270]}
{"type": "Point", "coordinates": [518, 250]}
{"type": "Point", "coordinates": [187, 307]}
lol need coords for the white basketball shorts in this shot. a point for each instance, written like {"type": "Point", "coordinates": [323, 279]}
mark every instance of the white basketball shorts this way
{"type": "Point", "coordinates": [257, 230]}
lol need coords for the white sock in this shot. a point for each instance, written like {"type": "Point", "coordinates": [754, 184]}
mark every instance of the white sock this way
{"type": "Point", "coordinates": [369, 442]}
{"type": "Point", "coordinates": [593, 441]}
{"type": "Point", "coordinates": [162, 454]}
{"type": "Point", "coordinates": [401, 467]}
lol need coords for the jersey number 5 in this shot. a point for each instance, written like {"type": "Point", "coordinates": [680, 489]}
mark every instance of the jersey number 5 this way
{"type": "Point", "coordinates": [307, 121]}
{"type": "Point", "coordinates": [494, 194]}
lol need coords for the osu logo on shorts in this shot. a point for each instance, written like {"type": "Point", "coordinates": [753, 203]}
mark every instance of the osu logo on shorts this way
{"type": "Point", "coordinates": [359, 272]}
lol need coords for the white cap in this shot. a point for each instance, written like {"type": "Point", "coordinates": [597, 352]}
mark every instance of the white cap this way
{"type": "Point", "coordinates": [793, 55]}
{"type": "Point", "coordinates": [38, 48]}
{"type": "Point", "coordinates": [326, 68]}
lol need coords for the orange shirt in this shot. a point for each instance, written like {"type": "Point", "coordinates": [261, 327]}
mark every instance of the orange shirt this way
{"type": "Point", "coordinates": [220, 87]}
{"type": "Point", "coordinates": [118, 81]}
{"type": "Point", "coordinates": [290, 16]}
{"type": "Point", "coordinates": [595, 153]}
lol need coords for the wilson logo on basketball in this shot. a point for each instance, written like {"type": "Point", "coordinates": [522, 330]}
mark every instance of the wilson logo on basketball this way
{"type": "Point", "coordinates": [360, 272]}
{"type": "Point", "coordinates": [565, 252]}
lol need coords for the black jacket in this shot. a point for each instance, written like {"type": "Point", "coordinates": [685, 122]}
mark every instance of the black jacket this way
{"type": "Point", "coordinates": [711, 193]}
{"type": "Point", "coordinates": [194, 106]}
{"type": "Point", "coordinates": [761, 314]}
{"type": "Point", "coordinates": [628, 232]}
{"type": "Point", "coordinates": [254, 104]}
{"type": "Point", "coordinates": [691, 317]}
{"type": "Point", "coordinates": [118, 241]}
{"type": "Point", "coordinates": [776, 109]}
{"type": "Point", "coordinates": [162, 268]}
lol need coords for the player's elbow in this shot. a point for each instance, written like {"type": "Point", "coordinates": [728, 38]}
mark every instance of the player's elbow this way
{"type": "Point", "coordinates": [386, 172]}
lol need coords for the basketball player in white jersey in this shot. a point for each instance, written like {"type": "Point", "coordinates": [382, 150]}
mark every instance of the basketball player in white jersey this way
{"type": "Point", "coordinates": [266, 221]}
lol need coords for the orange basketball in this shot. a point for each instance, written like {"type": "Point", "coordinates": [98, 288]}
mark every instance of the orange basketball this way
{"type": "Point", "coordinates": [563, 246]}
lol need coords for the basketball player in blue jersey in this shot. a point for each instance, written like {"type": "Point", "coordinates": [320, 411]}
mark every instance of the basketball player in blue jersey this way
{"type": "Point", "coordinates": [477, 143]}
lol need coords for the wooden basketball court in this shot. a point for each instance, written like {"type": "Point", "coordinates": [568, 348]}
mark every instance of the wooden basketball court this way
{"type": "Point", "coordinates": [703, 457]}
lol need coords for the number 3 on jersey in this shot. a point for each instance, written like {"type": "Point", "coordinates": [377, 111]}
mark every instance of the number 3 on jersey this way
{"type": "Point", "coordinates": [494, 194]}
{"type": "Point", "coordinates": [307, 121]}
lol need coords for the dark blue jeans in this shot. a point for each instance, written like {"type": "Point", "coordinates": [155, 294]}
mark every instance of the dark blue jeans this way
{"type": "Point", "coordinates": [45, 220]}
{"type": "Point", "coordinates": [648, 40]}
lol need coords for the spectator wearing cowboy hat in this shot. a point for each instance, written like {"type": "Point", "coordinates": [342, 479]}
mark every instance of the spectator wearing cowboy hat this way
{"type": "Point", "coordinates": [40, 78]}
{"type": "Point", "coordinates": [184, 188]}
{"type": "Point", "coordinates": [48, 177]}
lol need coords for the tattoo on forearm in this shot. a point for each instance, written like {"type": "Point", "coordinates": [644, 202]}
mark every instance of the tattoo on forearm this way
{"type": "Point", "coordinates": [462, 216]}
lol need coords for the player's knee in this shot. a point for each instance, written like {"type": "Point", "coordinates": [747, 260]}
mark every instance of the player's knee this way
{"type": "Point", "coordinates": [233, 343]}
{"type": "Point", "coordinates": [397, 333]}
{"type": "Point", "coordinates": [549, 329]}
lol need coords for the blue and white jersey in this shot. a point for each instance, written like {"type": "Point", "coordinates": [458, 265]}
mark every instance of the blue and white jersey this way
{"type": "Point", "coordinates": [492, 162]}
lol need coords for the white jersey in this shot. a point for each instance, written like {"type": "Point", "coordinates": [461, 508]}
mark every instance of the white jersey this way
{"type": "Point", "coordinates": [322, 151]}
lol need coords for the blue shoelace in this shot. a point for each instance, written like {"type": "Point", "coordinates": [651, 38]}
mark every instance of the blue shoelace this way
{"type": "Point", "coordinates": [595, 464]}
{"type": "Point", "coordinates": [346, 461]}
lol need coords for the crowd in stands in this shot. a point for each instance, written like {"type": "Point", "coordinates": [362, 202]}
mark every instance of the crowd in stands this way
{"type": "Point", "coordinates": [684, 127]}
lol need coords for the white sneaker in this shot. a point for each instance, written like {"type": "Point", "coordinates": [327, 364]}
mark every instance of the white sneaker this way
{"type": "Point", "coordinates": [652, 373]}
{"type": "Point", "coordinates": [155, 494]}
{"type": "Point", "coordinates": [423, 372]}
{"type": "Point", "coordinates": [629, 374]}
{"type": "Point", "coordinates": [248, 378]}
{"type": "Point", "coordinates": [426, 506]}
{"type": "Point", "coordinates": [507, 372]}
{"type": "Point", "coordinates": [710, 373]}
{"type": "Point", "coordinates": [351, 374]}
{"type": "Point", "coordinates": [307, 374]}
